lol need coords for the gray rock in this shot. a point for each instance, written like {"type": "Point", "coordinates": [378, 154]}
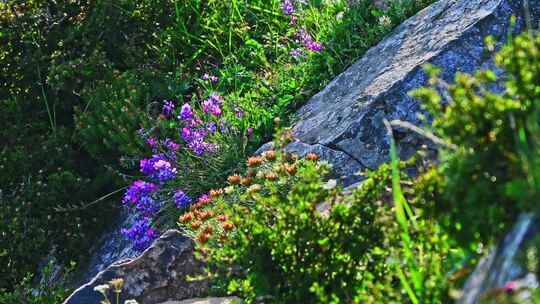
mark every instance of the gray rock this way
{"type": "Point", "coordinates": [345, 167]}
{"type": "Point", "coordinates": [159, 274]}
{"type": "Point", "coordinates": [503, 263]}
{"type": "Point", "coordinates": [345, 119]}
{"type": "Point", "coordinates": [112, 247]}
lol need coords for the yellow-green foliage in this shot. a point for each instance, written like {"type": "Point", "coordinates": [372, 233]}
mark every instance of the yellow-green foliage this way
{"type": "Point", "coordinates": [493, 175]}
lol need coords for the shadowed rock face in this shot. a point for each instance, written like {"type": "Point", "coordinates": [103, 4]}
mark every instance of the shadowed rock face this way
{"type": "Point", "coordinates": [345, 119]}
{"type": "Point", "coordinates": [159, 274]}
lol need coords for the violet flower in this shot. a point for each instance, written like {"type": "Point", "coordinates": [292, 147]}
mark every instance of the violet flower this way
{"type": "Point", "coordinates": [181, 199]}
{"type": "Point", "coordinates": [168, 107]}
{"type": "Point", "coordinates": [185, 112]}
{"type": "Point", "coordinates": [287, 7]}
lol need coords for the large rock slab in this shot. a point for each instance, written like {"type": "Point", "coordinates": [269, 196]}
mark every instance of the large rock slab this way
{"type": "Point", "coordinates": [162, 272]}
{"type": "Point", "coordinates": [345, 119]}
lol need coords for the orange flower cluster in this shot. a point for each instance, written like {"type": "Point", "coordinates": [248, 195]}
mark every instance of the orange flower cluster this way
{"type": "Point", "coordinates": [312, 156]}
{"type": "Point", "coordinates": [216, 193]}
{"type": "Point", "coordinates": [269, 155]}
{"type": "Point", "coordinates": [234, 179]}
{"type": "Point", "coordinates": [254, 161]}
{"type": "Point", "coordinates": [202, 216]}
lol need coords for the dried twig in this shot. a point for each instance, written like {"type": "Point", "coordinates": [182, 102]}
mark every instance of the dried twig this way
{"type": "Point", "coordinates": [427, 134]}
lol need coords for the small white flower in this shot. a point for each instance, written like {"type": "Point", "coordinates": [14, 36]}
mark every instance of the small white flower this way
{"type": "Point", "coordinates": [131, 302]}
{"type": "Point", "coordinates": [385, 21]}
{"type": "Point", "coordinates": [102, 288]}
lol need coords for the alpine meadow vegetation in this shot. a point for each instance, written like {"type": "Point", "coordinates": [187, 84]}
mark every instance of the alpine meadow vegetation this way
{"type": "Point", "coordinates": [156, 108]}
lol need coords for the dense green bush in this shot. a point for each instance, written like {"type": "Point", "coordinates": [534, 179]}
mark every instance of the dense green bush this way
{"type": "Point", "coordinates": [284, 233]}
{"type": "Point", "coordinates": [32, 220]}
{"type": "Point", "coordinates": [46, 292]}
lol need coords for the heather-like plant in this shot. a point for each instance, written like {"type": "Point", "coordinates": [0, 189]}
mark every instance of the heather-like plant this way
{"type": "Point", "coordinates": [193, 147]}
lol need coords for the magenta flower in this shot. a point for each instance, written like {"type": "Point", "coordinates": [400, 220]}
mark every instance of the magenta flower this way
{"type": "Point", "coordinates": [186, 134]}
{"type": "Point", "coordinates": [216, 111]}
{"type": "Point", "coordinates": [293, 20]}
{"type": "Point", "coordinates": [510, 286]}
{"type": "Point", "coordinates": [152, 142]}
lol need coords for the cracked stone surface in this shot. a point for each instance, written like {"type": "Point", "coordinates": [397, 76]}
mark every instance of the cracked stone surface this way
{"type": "Point", "coordinates": [159, 274]}
{"type": "Point", "coordinates": [344, 122]}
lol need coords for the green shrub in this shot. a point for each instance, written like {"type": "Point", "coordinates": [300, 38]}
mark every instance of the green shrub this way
{"type": "Point", "coordinates": [491, 176]}
{"type": "Point", "coordinates": [284, 233]}
{"type": "Point", "coordinates": [117, 107]}
{"type": "Point", "coordinates": [31, 223]}
{"type": "Point", "coordinates": [46, 292]}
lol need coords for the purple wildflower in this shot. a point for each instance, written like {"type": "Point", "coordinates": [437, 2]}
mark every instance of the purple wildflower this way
{"type": "Point", "coordinates": [211, 105]}
{"type": "Point", "coordinates": [157, 168]}
{"type": "Point", "coordinates": [200, 147]}
{"type": "Point", "coordinates": [307, 41]}
{"type": "Point", "coordinates": [315, 46]}
{"type": "Point", "coordinates": [185, 112]}
{"type": "Point", "coordinates": [148, 206]}
{"type": "Point", "coordinates": [142, 132]}
{"type": "Point", "coordinates": [296, 53]}
{"type": "Point", "coordinates": [164, 171]}
{"type": "Point", "coordinates": [141, 233]}
{"type": "Point", "coordinates": [152, 142]}
{"type": "Point", "coordinates": [207, 105]}
{"type": "Point", "coordinates": [137, 190]}
{"type": "Point", "coordinates": [293, 20]}
{"type": "Point", "coordinates": [213, 79]}
{"type": "Point", "coordinates": [171, 145]}
{"type": "Point", "coordinates": [287, 7]}
{"type": "Point", "coordinates": [186, 134]}
{"type": "Point", "coordinates": [211, 127]}
{"type": "Point", "coordinates": [181, 199]}
{"type": "Point", "coordinates": [239, 114]}
{"type": "Point", "coordinates": [168, 107]}
{"type": "Point", "coordinates": [216, 111]}
{"type": "Point", "coordinates": [216, 98]}
{"type": "Point", "coordinates": [249, 131]}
